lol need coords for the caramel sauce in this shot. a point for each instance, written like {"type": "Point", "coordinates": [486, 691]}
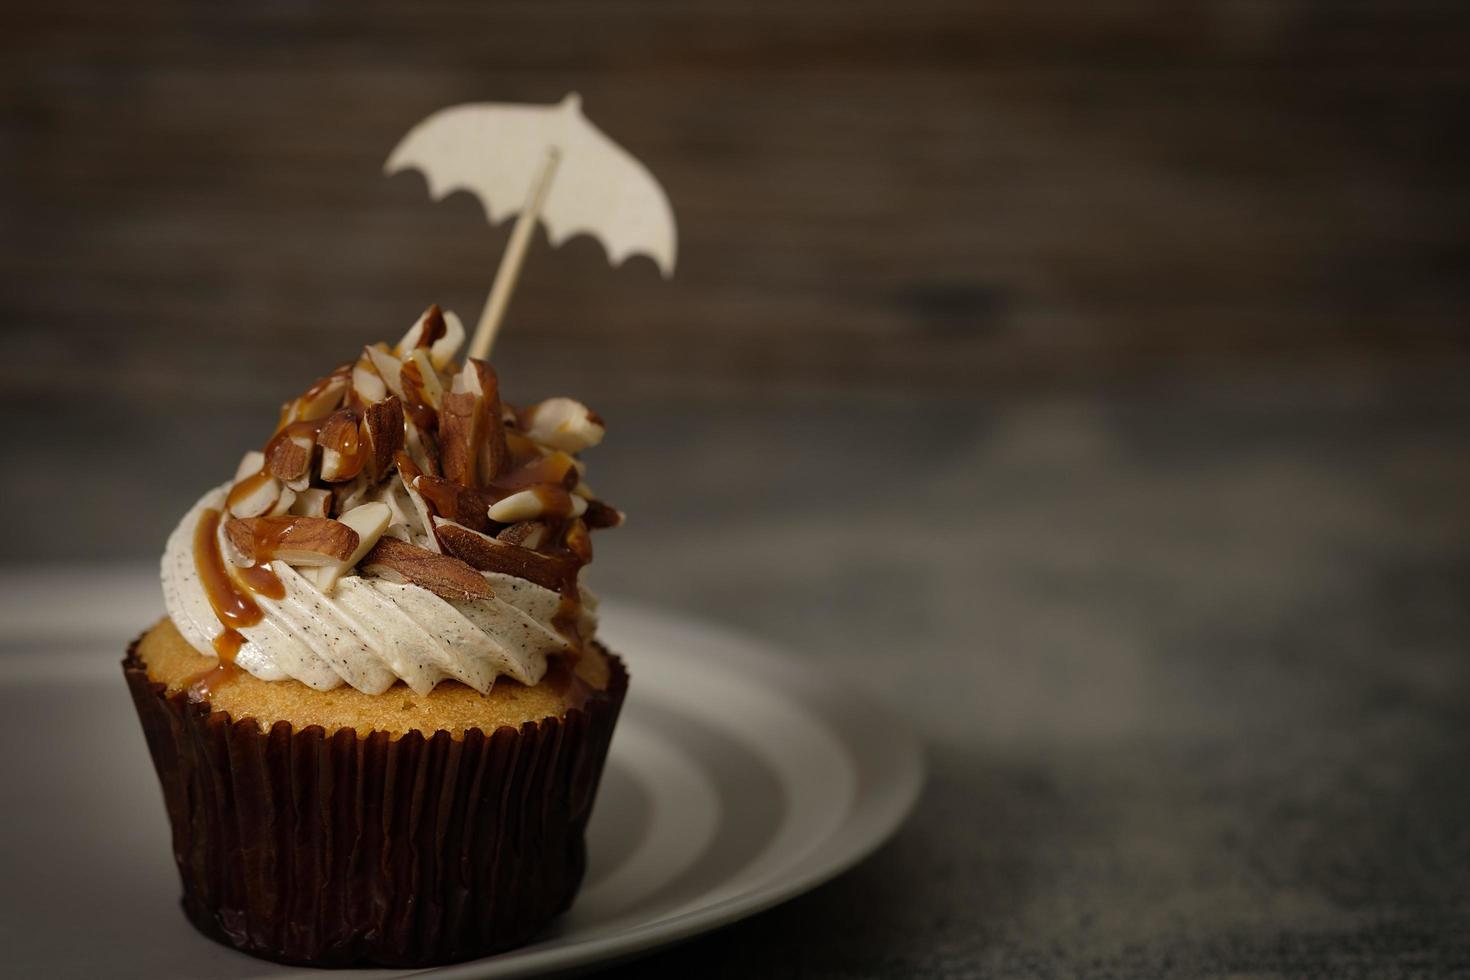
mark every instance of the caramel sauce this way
{"type": "Point", "coordinates": [246, 487]}
{"type": "Point", "coordinates": [260, 580]}
{"type": "Point", "coordinates": [231, 604]}
{"type": "Point", "coordinates": [311, 428]}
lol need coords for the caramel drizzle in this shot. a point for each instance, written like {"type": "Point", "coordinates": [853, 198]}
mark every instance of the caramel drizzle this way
{"type": "Point", "coordinates": [229, 595]}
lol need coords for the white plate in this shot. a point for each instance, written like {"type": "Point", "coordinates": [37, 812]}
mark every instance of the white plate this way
{"type": "Point", "coordinates": [737, 778]}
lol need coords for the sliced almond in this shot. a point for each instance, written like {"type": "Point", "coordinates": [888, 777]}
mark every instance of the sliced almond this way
{"type": "Point", "coordinates": [312, 503]}
{"type": "Point", "coordinates": [492, 555]}
{"type": "Point", "coordinates": [578, 540]}
{"type": "Point", "coordinates": [426, 330]}
{"type": "Point", "coordinates": [563, 423]}
{"type": "Point", "coordinates": [366, 383]}
{"type": "Point", "coordinates": [443, 575]}
{"type": "Point", "coordinates": [427, 378]}
{"type": "Point", "coordinates": [494, 454]}
{"type": "Point", "coordinates": [254, 495]}
{"type": "Point", "coordinates": [369, 520]}
{"type": "Point", "coordinates": [389, 368]}
{"type": "Point", "coordinates": [600, 514]}
{"type": "Point", "coordinates": [420, 507]}
{"type": "Point", "coordinates": [294, 540]}
{"type": "Point", "coordinates": [526, 534]}
{"type": "Point", "coordinates": [250, 464]}
{"type": "Point", "coordinates": [538, 501]}
{"type": "Point", "coordinates": [346, 496]}
{"type": "Point", "coordinates": [454, 501]}
{"type": "Point", "coordinates": [461, 421]}
{"type": "Point", "coordinates": [442, 351]}
{"type": "Point", "coordinates": [321, 399]}
{"type": "Point", "coordinates": [289, 458]}
{"type": "Point", "coordinates": [342, 458]}
{"type": "Point", "coordinates": [421, 447]}
{"type": "Point", "coordinates": [381, 436]}
{"type": "Point", "coordinates": [285, 503]}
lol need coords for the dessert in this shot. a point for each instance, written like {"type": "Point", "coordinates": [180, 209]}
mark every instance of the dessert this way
{"type": "Point", "coordinates": [377, 706]}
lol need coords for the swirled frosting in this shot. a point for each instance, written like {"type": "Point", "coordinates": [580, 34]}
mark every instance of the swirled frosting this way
{"type": "Point", "coordinates": [426, 549]}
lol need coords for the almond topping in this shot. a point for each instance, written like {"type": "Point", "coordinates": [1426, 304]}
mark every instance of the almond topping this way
{"type": "Point", "coordinates": [600, 514]}
{"type": "Point", "coordinates": [382, 436]}
{"type": "Point", "coordinates": [460, 422]}
{"type": "Point", "coordinates": [341, 458]}
{"type": "Point", "coordinates": [388, 367]}
{"type": "Point", "coordinates": [443, 575]}
{"type": "Point", "coordinates": [289, 457]}
{"type": "Point", "coordinates": [254, 495]}
{"type": "Point", "coordinates": [426, 330]}
{"type": "Point", "coordinates": [491, 555]}
{"type": "Point", "coordinates": [543, 500]}
{"type": "Point", "coordinates": [563, 423]}
{"type": "Point", "coordinates": [442, 351]}
{"type": "Point", "coordinates": [527, 534]}
{"type": "Point", "coordinates": [294, 540]}
{"type": "Point", "coordinates": [312, 503]}
{"type": "Point", "coordinates": [250, 464]}
{"type": "Point", "coordinates": [455, 501]}
{"type": "Point", "coordinates": [369, 521]}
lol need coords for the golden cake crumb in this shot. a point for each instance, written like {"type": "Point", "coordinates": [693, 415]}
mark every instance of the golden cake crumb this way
{"type": "Point", "coordinates": [450, 706]}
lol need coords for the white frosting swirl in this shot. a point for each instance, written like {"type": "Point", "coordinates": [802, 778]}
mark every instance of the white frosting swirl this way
{"type": "Point", "coordinates": [370, 632]}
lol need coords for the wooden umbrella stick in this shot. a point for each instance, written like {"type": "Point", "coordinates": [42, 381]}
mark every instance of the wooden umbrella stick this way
{"type": "Point", "coordinates": [515, 254]}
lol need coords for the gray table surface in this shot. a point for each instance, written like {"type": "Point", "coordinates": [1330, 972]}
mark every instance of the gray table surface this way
{"type": "Point", "coordinates": [1190, 662]}
{"type": "Point", "coordinates": [1188, 659]}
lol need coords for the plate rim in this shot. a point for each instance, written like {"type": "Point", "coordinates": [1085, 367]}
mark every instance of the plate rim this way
{"type": "Point", "coordinates": [890, 781]}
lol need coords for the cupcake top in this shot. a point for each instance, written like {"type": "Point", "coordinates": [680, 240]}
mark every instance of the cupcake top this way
{"type": "Point", "coordinates": [401, 523]}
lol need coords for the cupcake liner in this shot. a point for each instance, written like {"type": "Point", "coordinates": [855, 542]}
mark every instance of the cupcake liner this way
{"type": "Point", "coordinates": [336, 850]}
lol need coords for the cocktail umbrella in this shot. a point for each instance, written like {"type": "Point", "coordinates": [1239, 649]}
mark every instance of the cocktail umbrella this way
{"type": "Point", "coordinates": [547, 162]}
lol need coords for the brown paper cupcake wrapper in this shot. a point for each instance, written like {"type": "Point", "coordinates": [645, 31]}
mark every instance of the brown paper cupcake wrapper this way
{"type": "Point", "coordinates": [344, 849]}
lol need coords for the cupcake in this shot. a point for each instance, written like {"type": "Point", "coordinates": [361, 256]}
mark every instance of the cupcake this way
{"type": "Point", "coordinates": [377, 705]}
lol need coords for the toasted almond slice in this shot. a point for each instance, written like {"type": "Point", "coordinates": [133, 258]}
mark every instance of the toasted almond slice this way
{"type": "Point", "coordinates": [542, 500]}
{"type": "Point", "coordinates": [320, 400]}
{"type": "Point", "coordinates": [455, 501]}
{"type": "Point", "coordinates": [426, 330]}
{"type": "Point", "coordinates": [366, 383]}
{"type": "Point", "coordinates": [312, 503]}
{"type": "Point", "coordinates": [342, 458]}
{"type": "Point", "coordinates": [442, 351]}
{"type": "Point", "coordinates": [425, 532]}
{"type": "Point", "coordinates": [250, 464]}
{"type": "Point", "coordinates": [563, 423]}
{"type": "Point", "coordinates": [461, 420]}
{"type": "Point", "coordinates": [494, 453]}
{"type": "Point", "coordinates": [254, 495]}
{"type": "Point", "coordinates": [526, 534]}
{"type": "Point", "coordinates": [369, 520]}
{"type": "Point", "coordinates": [427, 377]}
{"type": "Point", "coordinates": [381, 436]}
{"type": "Point", "coordinates": [600, 514]}
{"type": "Point", "coordinates": [289, 458]}
{"type": "Point", "coordinates": [492, 555]}
{"type": "Point", "coordinates": [284, 504]}
{"type": "Point", "coordinates": [389, 368]}
{"type": "Point", "coordinates": [443, 575]}
{"type": "Point", "coordinates": [421, 447]}
{"type": "Point", "coordinates": [346, 496]}
{"type": "Point", "coordinates": [294, 540]}
{"type": "Point", "coordinates": [578, 540]}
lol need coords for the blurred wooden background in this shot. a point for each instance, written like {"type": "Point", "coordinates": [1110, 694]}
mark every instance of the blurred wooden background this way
{"type": "Point", "coordinates": [913, 200]}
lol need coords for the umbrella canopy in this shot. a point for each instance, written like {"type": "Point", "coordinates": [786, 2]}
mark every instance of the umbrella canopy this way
{"type": "Point", "coordinates": [497, 150]}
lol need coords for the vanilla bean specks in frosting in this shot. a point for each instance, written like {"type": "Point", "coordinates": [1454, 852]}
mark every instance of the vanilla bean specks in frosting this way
{"type": "Point", "coordinates": [401, 524]}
